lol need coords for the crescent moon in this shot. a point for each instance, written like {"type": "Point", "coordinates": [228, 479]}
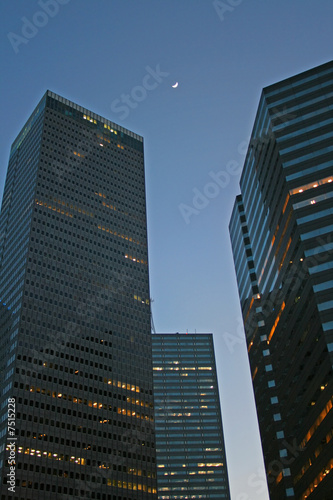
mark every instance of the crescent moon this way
{"type": "Point", "coordinates": [175, 85]}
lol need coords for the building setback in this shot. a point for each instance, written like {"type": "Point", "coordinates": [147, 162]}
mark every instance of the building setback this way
{"type": "Point", "coordinates": [190, 450]}
{"type": "Point", "coordinates": [75, 347]}
{"type": "Point", "coordinates": [281, 233]}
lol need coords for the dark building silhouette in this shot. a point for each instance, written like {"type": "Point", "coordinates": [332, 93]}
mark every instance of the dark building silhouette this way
{"type": "Point", "coordinates": [191, 461]}
{"type": "Point", "coordinates": [281, 233]}
{"type": "Point", "coordinates": [76, 350]}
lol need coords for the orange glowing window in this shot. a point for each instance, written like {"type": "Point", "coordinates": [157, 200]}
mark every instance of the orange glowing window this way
{"type": "Point", "coordinates": [285, 253]}
{"type": "Point", "coordinates": [78, 154]}
{"type": "Point", "coordinates": [248, 312]}
{"type": "Point", "coordinates": [271, 333]}
{"type": "Point", "coordinates": [285, 203]}
{"type": "Point", "coordinates": [317, 423]}
{"type": "Point", "coordinates": [278, 479]}
{"type": "Point", "coordinates": [324, 472]}
{"type": "Point", "coordinates": [283, 233]}
{"type": "Point", "coordinates": [311, 185]}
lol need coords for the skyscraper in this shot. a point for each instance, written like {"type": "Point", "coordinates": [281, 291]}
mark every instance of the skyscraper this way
{"type": "Point", "coordinates": [281, 233]}
{"type": "Point", "coordinates": [75, 312]}
{"type": "Point", "coordinates": [191, 460]}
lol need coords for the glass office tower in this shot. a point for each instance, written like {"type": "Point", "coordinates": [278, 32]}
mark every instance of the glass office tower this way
{"type": "Point", "coordinates": [75, 315]}
{"type": "Point", "coordinates": [191, 461]}
{"type": "Point", "coordinates": [281, 233]}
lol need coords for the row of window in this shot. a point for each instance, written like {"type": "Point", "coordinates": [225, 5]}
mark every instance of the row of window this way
{"type": "Point", "coordinates": [120, 447]}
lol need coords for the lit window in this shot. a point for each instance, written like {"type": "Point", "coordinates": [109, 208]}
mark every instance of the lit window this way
{"type": "Point", "coordinates": [311, 185]}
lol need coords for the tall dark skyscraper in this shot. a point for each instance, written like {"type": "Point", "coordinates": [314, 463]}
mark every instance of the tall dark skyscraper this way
{"type": "Point", "coordinates": [191, 462]}
{"type": "Point", "coordinates": [281, 232]}
{"type": "Point", "coordinates": [75, 348]}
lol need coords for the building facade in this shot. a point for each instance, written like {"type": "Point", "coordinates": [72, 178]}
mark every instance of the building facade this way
{"type": "Point", "coordinates": [281, 234]}
{"type": "Point", "coordinates": [75, 348]}
{"type": "Point", "coordinates": [191, 462]}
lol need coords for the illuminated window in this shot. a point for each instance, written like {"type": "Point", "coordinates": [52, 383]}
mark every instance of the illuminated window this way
{"type": "Point", "coordinates": [311, 185]}
{"type": "Point", "coordinates": [110, 129]}
{"type": "Point", "coordinates": [87, 117]}
{"type": "Point", "coordinates": [276, 322]}
{"type": "Point", "coordinates": [317, 423]}
{"type": "Point", "coordinates": [78, 154]}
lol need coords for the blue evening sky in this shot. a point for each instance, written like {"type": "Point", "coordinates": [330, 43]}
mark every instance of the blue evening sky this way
{"type": "Point", "coordinates": [98, 52]}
